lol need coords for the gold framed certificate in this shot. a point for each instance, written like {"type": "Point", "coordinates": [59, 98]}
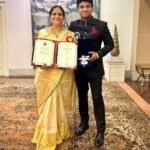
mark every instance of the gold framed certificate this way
{"type": "Point", "coordinates": [55, 54]}
{"type": "Point", "coordinates": [43, 52]}
{"type": "Point", "coordinates": [67, 55]}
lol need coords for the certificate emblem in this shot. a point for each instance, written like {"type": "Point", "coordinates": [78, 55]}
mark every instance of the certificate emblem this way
{"type": "Point", "coordinates": [44, 44]}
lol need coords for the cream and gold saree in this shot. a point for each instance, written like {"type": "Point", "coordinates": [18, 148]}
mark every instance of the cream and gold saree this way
{"type": "Point", "coordinates": [55, 97]}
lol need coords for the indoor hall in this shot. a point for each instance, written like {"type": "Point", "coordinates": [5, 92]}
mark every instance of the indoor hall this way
{"type": "Point", "coordinates": [127, 101]}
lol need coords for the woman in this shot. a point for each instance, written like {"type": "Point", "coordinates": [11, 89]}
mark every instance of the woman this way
{"type": "Point", "coordinates": [55, 90]}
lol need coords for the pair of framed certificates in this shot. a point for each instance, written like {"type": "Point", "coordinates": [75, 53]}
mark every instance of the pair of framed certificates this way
{"type": "Point", "coordinates": [62, 54]}
{"type": "Point", "coordinates": [55, 54]}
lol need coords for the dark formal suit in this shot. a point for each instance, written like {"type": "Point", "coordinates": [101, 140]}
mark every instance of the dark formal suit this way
{"type": "Point", "coordinates": [98, 32]}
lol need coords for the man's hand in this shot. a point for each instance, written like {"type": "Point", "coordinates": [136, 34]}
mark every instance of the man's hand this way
{"type": "Point", "coordinates": [94, 55]}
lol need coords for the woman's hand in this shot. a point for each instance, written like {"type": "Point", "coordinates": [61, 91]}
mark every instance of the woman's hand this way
{"type": "Point", "coordinates": [69, 69]}
{"type": "Point", "coordinates": [44, 66]}
{"type": "Point", "coordinates": [36, 36]}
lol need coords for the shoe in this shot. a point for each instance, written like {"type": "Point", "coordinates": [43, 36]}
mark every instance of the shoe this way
{"type": "Point", "coordinates": [81, 129]}
{"type": "Point", "coordinates": [99, 140]}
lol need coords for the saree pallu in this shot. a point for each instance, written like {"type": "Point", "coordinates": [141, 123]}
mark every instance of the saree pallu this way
{"type": "Point", "coordinates": [55, 98]}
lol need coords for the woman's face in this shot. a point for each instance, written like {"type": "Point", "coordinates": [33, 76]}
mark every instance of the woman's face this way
{"type": "Point", "coordinates": [56, 17]}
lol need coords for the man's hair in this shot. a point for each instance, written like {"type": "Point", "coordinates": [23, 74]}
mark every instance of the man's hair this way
{"type": "Point", "coordinates": [89, 1]}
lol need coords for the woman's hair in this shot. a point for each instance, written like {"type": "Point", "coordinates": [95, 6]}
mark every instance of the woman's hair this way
{"type": "Point", "coordinates": [57, 6]}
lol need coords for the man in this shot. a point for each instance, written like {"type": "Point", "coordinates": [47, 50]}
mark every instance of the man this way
{"type": "Point", "coordinates": [90, 28]}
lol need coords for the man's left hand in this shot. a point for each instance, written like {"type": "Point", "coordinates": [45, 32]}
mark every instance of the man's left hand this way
{"type": "Point", "coordinates": [94, 55]}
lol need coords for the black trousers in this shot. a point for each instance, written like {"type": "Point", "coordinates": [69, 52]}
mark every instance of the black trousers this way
{"type": "Point", "coordinates": [83, 81]}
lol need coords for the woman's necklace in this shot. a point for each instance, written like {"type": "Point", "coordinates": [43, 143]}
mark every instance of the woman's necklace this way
{"type": "Point", "coordinates": [57, 33]}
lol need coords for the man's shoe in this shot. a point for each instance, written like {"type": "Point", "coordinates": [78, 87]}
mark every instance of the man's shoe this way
{"type": "Point", "coordinates": [99, 140]}
{"type": "Point", "coordinates": [81, 129]}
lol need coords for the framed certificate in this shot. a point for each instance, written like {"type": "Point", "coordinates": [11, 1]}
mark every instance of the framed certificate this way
{"type": "Point", "coordinates": [54, 54]}
{"type": "Point", "coordinates": [43, 52]}
{"type": "Point", "coordinates": [67, 55]}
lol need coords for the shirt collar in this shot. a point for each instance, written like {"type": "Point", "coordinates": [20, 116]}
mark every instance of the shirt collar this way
{"type": "Point", "coordinates": [90, 20]}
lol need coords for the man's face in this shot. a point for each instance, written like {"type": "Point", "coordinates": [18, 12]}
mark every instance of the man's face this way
{"type": "Point", "coordinates": [85, 10]}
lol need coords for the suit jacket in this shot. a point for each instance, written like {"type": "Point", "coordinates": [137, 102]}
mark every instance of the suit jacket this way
{"type": "Point", "coordinates": [98, 32]}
